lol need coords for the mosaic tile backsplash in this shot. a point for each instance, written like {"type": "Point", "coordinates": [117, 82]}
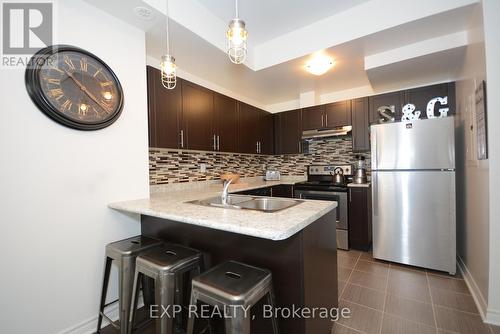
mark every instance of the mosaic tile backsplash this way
{"type": "Point", "coordinates": [174, 166]}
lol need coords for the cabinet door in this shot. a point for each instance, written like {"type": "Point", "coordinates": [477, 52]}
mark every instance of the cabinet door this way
{"type": "Point", "coordinates": [313, 118]}
{"type": "Point", "coordinates": [266, 191]}
{"type": "Point", "coordinates": [266, 136]}
{"type": "Point", "coordinates": [338, 114]}
{"type": "Point", "coordinates": [360, 125]}
{"type": "Point", "coordinates": [282, 190]}
{"type": "Point", "coordinates": [289, 132]}
{"type": "Point", "coordinates": [360, 223]}
{"type": "Point", "coordinates": [248, 128]}
{"type": "Point", "coordinates": [197, 117]}
{"type": "Point", "coordinates": [422, 95]}
{"type": "Point", "coordinates": [164, 109]}
{"type": "Point", "coordinates": [395, 99]}
{"type": "Point", "coordinates": [226, 123]}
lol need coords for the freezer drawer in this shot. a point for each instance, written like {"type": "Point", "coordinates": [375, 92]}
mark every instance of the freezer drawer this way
{"type": "Point", "coordinates": [422, 144]}
{"type": "Point", "coordinates": [414, 218]}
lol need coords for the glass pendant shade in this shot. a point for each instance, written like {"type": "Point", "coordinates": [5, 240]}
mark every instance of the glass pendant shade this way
{"type": "Point", "coordinates": [168, 72]}
{"type": "Point", "coordinates": [237, 41]}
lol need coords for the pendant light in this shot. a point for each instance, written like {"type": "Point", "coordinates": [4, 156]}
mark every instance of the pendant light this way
{"type": "Point", "coordinates": [168, 67]}
{"type": "Point", "coordinates": [237, 39]}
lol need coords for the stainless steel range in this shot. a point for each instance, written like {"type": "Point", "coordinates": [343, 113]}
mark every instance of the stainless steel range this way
{"type": "Point", "coordinates": [324, 183]}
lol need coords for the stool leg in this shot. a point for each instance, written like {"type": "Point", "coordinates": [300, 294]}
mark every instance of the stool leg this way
{"type": "Point", "coordinates": [271, 301]}
{"type": "Point", "coordinates": [104, 292]}
{"type": "Point", "coordinates": [135, 299]}
{"type": "Point", "coordinates": [179, 289]}
{"type": "Point", "coordinates": [238, 323]}
{"type": "Point", "coordinates": [165, 292]}
{"type": "Point", "coordinates": [147, 290]}
{"type": "Point", "coordinates": [191, 319]}
{"type": "Point", "coordinates": [127, 270]}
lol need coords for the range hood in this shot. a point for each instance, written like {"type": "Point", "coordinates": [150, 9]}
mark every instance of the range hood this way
{"type": "Point", "coordinates": [323, 133]}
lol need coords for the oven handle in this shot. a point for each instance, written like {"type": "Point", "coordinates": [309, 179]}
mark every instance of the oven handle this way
{"type": "Point", "coordinates": [314, 192]}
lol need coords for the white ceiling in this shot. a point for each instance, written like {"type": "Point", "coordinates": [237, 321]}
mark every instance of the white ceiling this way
{"type": "Point", "coordinates": [267, 19]}
{"type": "Point", "coordinates": [284, 38]}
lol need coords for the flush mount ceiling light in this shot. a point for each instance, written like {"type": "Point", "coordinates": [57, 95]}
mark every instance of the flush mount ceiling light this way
{"type": "Point", "coordinates": [237, 39]}
{"type": "Point", "coordinates": [144, 13]}
{"type": "Point", "coordinates": [319, 64]}
{"type": "Point", "coordinates": [168, 67]}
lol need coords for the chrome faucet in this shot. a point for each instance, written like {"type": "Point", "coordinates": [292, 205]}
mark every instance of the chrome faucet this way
{"type": "Point", "coordinates": [225, 191]}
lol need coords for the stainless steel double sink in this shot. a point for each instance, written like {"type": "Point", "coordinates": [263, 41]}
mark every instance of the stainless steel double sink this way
{"type": "Point", "coordinates": [263, 204]}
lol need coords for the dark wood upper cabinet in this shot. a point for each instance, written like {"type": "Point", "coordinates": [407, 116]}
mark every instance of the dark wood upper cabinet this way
{"type": "Point", "coordinates": [360, 125]}
{"type": "Point", "coordinates": [337, 114]}
{"type": "Point", "coordinates": [225, 123]}
{"type": "Point", "coordinates": [360, 218]}
{"type": "Point", "coordinates": [288, 132]}
{"type": "Point", "coordinates": [313, 117]}
{"type": "Point", "coordinates": [248, 128]}
{"type": "Point", "coordinates": [164, 111]}
{"type": "Point", "coordinates": [197, 117]}
{"type": "Point", "coordinates": [395, 99]}
{"type": "Point", "coordinates": [422, 95]}
{"type": "Point", "coordinates": [266, 135]}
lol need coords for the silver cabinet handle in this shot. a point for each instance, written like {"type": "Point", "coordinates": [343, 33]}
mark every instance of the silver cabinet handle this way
{"type": "Point", "coordinates": [218, 143]}
{"type": "Point", "coordinates": [322, 121]}
{"type": "Point", "coordinates": [182, 138]}
{"type": "Point", "coordinates": [350, 195]}
{"type": "Point", "coordinates": [257, 148]}
{"type": "Point", "coordinates": [326, 120]}
{"type": "Point", "coordinates": [214, 145]}
{"type": "Point", "coordinates": [298, 144]}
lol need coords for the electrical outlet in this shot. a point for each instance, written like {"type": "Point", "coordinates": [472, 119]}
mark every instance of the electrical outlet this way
{"type": "Point", "coordinates": [203, 168]}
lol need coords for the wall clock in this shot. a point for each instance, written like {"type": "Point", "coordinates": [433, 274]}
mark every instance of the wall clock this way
{"type": "Point", "coordinates": [74, 87]}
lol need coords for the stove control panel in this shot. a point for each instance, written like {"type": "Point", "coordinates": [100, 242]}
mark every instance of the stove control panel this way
{"type": "Point", "coordinates": [328, 169]}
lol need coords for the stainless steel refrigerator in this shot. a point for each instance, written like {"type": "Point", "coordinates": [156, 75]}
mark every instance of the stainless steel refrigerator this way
{"type": "Point", "coordinates": [413, 192]}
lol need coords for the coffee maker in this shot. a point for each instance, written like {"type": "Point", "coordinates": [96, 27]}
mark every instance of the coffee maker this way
{"type": "Point", "coordinates": [360, 173]}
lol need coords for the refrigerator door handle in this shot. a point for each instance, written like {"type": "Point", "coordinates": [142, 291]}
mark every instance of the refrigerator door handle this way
{"type": "Point", "coordinates": [374, 195]}
{"type": "Point", "coordinates": [374, 153]}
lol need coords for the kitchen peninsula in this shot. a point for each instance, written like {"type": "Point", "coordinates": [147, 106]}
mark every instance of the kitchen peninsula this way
{"type": "Point", "coordinates": [297, 244]}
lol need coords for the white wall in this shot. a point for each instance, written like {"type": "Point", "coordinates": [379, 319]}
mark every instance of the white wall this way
{"type": "Point", "coordinates": [472, 175]}
{"type": "Point", "coordinates": [56, 183]}
{"type": "Point", "coordinates": [491, 8]}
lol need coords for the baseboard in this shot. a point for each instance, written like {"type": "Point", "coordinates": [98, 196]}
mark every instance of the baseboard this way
{"type": "Point", "coordinates": [478, 297]}
{"type": "Point", "coordinates": [89, 326]}
{"type": "Point", "coordinates": [493, 317]}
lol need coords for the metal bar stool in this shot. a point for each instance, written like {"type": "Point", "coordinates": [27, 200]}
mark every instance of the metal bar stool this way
{"type": "Point", "coordinates": [232, 284]}
{"type": "Point", "coordinates": [165, 265]}
{"type": "Point", "coordinates": [124, 253]}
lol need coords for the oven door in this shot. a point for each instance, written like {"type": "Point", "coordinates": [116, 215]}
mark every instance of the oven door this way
{"type": "Point", "coordinates": [342, 219]}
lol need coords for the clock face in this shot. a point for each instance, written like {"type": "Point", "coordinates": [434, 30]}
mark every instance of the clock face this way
{"type": "Point", "coordinates": [75, 88]}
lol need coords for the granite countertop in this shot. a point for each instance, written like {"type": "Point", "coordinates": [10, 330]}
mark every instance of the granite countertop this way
{"type": "Point", "coordinates": [171, 204]}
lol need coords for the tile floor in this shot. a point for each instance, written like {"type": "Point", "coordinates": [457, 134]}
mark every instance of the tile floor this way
{"type": "Point", "coordinates": [387, 298]}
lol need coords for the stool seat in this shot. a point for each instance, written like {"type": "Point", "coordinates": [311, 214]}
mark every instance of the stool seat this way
{"type": "Point", "coordinates": [169, 258]}
{"type": "Point", "coordinates": [131, 246]}
{"type": "Point", "coordinates": [234, 281]}
{"type": "Point", "coordinates": [233, 284]}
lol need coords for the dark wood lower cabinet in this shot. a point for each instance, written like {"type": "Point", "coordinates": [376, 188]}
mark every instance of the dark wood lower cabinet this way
{"type": "Point", "coordinates": [304, 267]}
{"type": "Point", "coordinates": [360, 218]}
{"type": "Point", "coordinates": [265, 191]}
{"type": "Point", "coordinates": [282, 190]}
